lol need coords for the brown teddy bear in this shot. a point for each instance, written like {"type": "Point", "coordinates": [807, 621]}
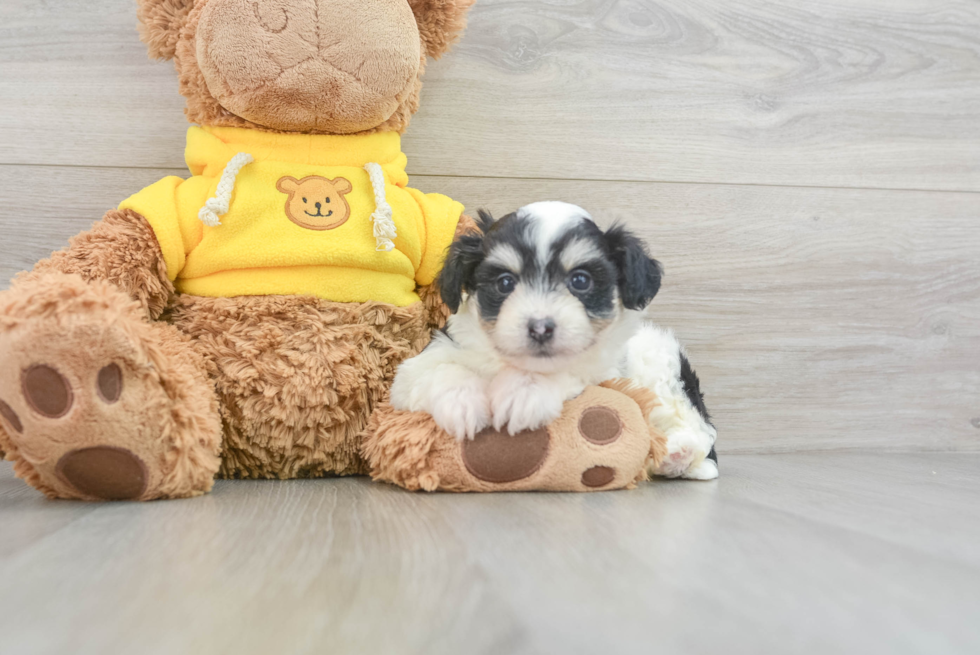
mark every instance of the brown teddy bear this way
{"type": "Point", "coordinates": [246, 321]}
{"type": "Point", "coordinates": [215, 325]}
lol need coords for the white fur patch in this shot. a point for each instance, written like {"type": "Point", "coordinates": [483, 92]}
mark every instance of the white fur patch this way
{"type": "Point", "coordinates": [579, 252]}
{"type": "Point", "coordinates": [551, 219]}
{"type": "Point", "coordinates": [573, 328]}
{"type": "Point", "coordinates": [525, 401]}
{"type": "Point", "coordinates": [506, 256]}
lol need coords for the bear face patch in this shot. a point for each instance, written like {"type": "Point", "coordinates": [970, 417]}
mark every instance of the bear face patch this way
{"type": "Point", "coordinates": [315, 202]}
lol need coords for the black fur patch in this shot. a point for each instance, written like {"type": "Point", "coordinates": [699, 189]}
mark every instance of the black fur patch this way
{"type": "Point", "coordinates": [692, 387]}
{"type": "Point", "coordinates": [464, 255]}
{"type": "Point", "coordinates": [514, 231]}
{"type": "Point", "coordinates": [599, 301]}
{"type": "Point", "coordinates": [639, 274]}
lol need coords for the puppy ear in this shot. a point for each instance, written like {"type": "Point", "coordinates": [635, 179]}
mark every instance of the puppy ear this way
{"type": "Point", "coordinates": [440, 23]}
{"type": "Point", "coordinates": [465, 254]}
{"type": "Point", "coordinates": [639, 274]}
{"type": "Point", "coordinates": [160, 22]}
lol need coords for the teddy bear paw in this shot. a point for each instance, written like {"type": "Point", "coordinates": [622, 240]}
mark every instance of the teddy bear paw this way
{"type": "Point", "coordinates": [591, 446]}
{"type": "Point", "coordinates": [84, 413]}
{"type": "Point", "coordinates": [60, 410]}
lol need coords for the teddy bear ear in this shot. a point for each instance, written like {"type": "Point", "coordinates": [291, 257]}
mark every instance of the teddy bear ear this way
{"type": "Point", "coordinates": [287, 184]}
{"type": "Point", "coordinates": [160, 22]}
{"type": "Point", "coordinates": [440, 23]}
{"type": "Point", "coordinates": [342, 185]}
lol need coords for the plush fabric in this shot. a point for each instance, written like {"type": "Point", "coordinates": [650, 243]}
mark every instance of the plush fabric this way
{"type": "Point", "coordinates": [160, 22]}
{"type": "Point", "coordinates": [440, 23]}
{"type": "Point", "coordinates": [410, 450]}
{"type": "Point", "coordinates": [297, 377]}
{"type": "Point", "coordinates": [166, 414]}
{"type": "Point", "coordinates": [342, 66]}
{"type": "Point", "coordinates": [120, 249]}
{"type": "Point", "coordinates": [170, 29]}
{"type": "Point", "coordinates": [264, 244]}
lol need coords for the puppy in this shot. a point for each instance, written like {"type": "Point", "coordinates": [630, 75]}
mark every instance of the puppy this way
{"type": "Point", "coordinates": [545, 304]}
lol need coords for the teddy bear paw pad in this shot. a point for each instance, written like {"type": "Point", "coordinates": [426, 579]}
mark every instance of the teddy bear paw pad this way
{"type": "Point", "coordinates": [600, 425]}
{"type": "Point", "coordinates": [498, 457]}
{"type": "Point", "coordinates": [598, 476]}
{"type": "Point", "coordinates": [46, 391]}
{"type": "Point", "coordinates": [104, 472]}
{"type": "Point", "coordinates": [110, 380]}
{"type": "Point", "coordinates": [9, 415]}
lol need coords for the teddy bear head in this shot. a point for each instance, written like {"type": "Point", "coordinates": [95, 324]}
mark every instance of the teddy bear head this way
{"type": "Point", "coordinates": [305, 66]}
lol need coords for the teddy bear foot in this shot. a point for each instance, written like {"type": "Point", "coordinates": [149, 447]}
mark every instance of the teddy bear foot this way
{"type": "Point", "coordinates": [600, 442]}
{"type": "Point", "coordinates": [98, 404]}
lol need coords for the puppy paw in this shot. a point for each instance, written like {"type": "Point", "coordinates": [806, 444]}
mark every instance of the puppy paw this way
{"type": "Point", "coordinates": [683, 453]}
{"type": "Point", "coordinates": [706, 469]}
{"type": "Point", "coordinates": [521, 402]}
{"type": "Point", "coordinates": [463, 410]}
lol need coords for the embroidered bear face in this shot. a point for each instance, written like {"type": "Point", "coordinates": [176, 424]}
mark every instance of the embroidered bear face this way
{"type": "Point", "coordinates": [315, 202]}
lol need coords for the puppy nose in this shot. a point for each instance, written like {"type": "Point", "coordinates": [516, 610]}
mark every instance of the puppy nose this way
{"type": "Point", "coordinates": [541, 330]}
{"type": "Point", "coordinates": [317, 206]}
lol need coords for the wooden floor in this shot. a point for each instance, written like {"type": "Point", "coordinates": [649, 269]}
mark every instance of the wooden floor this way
{"type": "Point", "coordinates": [789, 553]}
{"type": "Point", "coordinates": [809, 174]}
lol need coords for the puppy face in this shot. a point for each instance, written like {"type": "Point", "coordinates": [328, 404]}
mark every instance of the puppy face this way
{"type": "Point", "coordinates": [545, 282]}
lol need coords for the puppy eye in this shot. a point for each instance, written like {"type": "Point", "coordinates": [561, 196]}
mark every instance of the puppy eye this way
{"type": "Point", "coordinates": [304, 199]}
{"type": "Point", "coordinates": [506, 283]}
{"type": "Point", "coordinates": [328, 199]}
{"type": "Point", "coordinates": [580, 281]}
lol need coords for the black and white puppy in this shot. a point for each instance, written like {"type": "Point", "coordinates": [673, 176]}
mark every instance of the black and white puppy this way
{"type": "Point", "coordinates": [545, 304]}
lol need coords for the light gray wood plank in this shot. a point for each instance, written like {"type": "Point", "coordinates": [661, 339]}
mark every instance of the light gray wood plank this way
{"type": "Point", "coordinates": [338, 566]}
{"type": "Point", "coordinates": [624, 571]}
{"type": "Point", "coordinates": [783, 554]}
{"type": "Point", "coordinates": [859, 93]}
{"type": "Point", "coordinates": [817, 318]}
{"type": "Point", "coordinates": [24, 520]}
{"type": "Point", "coordinates": [907, 501]}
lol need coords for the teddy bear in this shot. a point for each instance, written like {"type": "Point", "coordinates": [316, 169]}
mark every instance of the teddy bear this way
{"type": "Point", "coordinates": [242, 322]}
{"type": "Point", "coordinates": [247, 321]}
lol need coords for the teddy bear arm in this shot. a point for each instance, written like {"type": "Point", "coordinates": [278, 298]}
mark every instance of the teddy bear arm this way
{"type": "Point", "coordinates": [600, 441]}
{"type": "Point", "coordinates": [120, 249]}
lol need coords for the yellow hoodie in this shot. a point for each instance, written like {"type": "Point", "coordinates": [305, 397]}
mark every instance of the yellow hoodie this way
{"type": "Point", "coordinates": [269, 214]}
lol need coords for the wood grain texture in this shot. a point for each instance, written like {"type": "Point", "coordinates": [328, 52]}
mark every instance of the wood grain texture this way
{"type": "Point", "coordinates": [853, 93]}
{"type": "Point", "coordinates": [804, 553]}
{"type": "Point", "coordinates": [817, 318]}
